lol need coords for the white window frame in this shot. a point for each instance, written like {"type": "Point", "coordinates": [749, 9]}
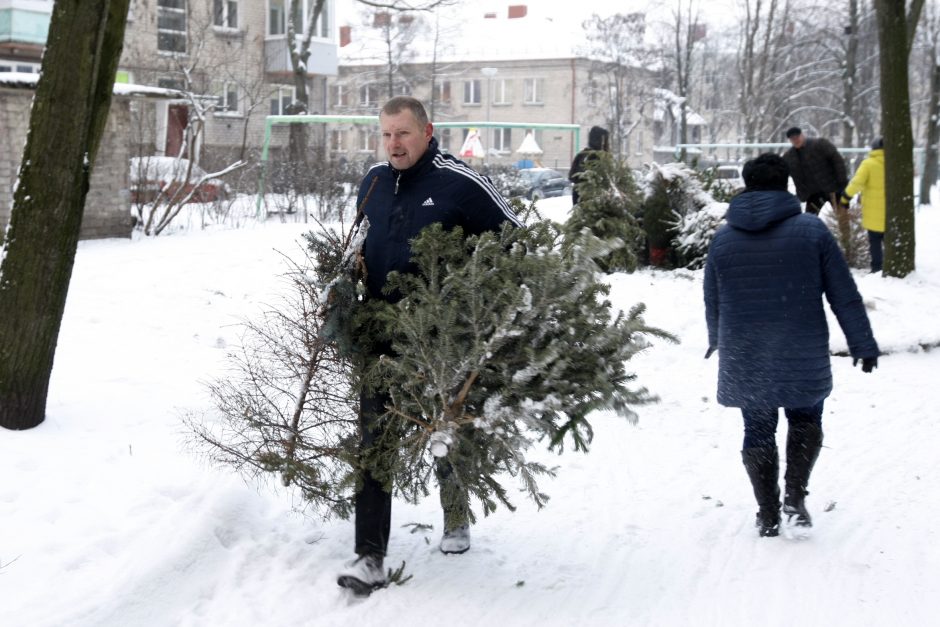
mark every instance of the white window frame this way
{"type": "Point", "coordinates": [502, 140]}
{"type": "Point", "coordinates": [474, 97]}
{"type": "Point", "coordinates": [370, 90]}
{"type": "Point", "coordinates": [281, 20]}
{"type": "Point", "coordinates": [367, 140]}
{"type": "Point", "coordinates": [278, 95]}
{"type": "Point", "coordinates": [165, 10]}
{"type": "Point", "coordinates": [322, 30]}
{"type": "Point", "coordinates": [534, 91]}
{"type": "Point", "coordinates": [337, 140]}
{"type": "Point", "coordinates": [221, 20]}
{"type": "Point", "coordinates": [444, 88]}
{"type": "Point", "coordinates": [223, 106]}
{"type": "Point", "coordinates": [339, 95]}
{"type": "Point", "coordinates": [502, 91]}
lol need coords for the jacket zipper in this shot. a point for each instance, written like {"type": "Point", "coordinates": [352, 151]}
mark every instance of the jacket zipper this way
{"type": "Point", "coordinates": [397, 178]}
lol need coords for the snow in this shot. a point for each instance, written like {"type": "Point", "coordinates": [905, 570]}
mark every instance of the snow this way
{"type": "Point", "coordinates": [106, 519]}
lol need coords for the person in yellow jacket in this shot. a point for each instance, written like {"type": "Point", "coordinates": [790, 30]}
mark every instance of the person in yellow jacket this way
{"type": "Point", "coordinates": [869, 181]}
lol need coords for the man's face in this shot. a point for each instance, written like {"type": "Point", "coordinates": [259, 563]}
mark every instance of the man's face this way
{"type": "Point", "coordinates": [797, 140]}
{"type": "Point", "coordinates": [403, 138]}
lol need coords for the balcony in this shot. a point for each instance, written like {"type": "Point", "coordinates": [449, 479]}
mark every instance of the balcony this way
{"type": "Point", "coordinates": [322, 61]}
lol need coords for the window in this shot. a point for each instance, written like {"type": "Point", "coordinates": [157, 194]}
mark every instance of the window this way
{"type": "Point", "coordinates": [225, 13]}
{"type": "Point", "coordinates": [339, 95]}
{"type": "Point", "coordinates": [227, 99]}
{"type": "Point", "coordinates": [277, 16]}
{"type": "Point", "coordinates": [404, 89]}
{"type": "Point", "coordinates": [171, 83]}
{"type": "Point", "coordinates": [281, 100]}
{"type": "Point", "coordinates": [534, 88]}
{"type": "Point", "coordinates": [336, 140]}
{"type": "Point", "coordinates": [501, 92]}
{"type": "Point", "coordinates": [24, 68]}
{"type": "Point", "coordinates": [443, 141]}
{"type": "Point", "coordinates": [502, 139]}
{"type": "Point", "coordinates": [369, 95]}
{"type": "Point", "coordinates": [368, 140]}
{"type": "Point", "coordinates": [322, 27]}
{"type": "Point", "coordinates": [471, 92]}
{"type": "Point", "coordinates": [171, 26]}
{"type": "Point", "coordinates": [443, 92]}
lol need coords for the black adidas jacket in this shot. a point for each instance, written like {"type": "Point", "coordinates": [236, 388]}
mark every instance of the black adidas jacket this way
{"type": "Point", "coordinates": [438, 188]}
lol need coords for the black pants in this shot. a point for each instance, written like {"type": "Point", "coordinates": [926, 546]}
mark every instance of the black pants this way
{"type": "Point", "coordinates": [760, 425]}
{"type": "Point", "coordinates": [374, 499]}
{"type": "Point", "coordinates": [876, 247]}
{"type": "Point", "coordinates": [816, 201]}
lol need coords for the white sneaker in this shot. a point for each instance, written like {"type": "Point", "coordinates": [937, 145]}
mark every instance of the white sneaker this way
{"type": "Point", "coordinates": [363, 575]}
{"type": "Point", "coordinates": [456, 540]}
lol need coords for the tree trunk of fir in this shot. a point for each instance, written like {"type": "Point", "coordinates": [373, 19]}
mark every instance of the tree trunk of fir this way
{"type": "Point", "coordinates": [932, 153]}
{"type": "Point", "coordinates": [898, 138]}
{"type": "Point", "coordinates": [68, 117]}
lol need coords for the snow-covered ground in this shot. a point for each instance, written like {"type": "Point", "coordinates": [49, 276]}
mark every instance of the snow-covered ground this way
{"type": "Point", "coordinates": [107, 520]}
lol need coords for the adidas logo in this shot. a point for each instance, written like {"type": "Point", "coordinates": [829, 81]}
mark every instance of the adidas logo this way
{"type": "Point", "coordinates": [428, 202]}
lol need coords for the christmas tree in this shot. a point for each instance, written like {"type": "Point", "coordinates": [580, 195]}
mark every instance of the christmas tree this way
{"type": "Point", "coordinates": [498, 342]}
{"type": "Point", "coordinates": [609, 207]}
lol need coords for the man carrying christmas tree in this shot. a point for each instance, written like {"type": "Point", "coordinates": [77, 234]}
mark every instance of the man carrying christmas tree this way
{"type": "Point", "coordinates": [766, 274]}
{"type": "Point", "coordinates": [417, 186]}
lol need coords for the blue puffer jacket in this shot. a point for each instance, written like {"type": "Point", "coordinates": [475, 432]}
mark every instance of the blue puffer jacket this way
{"type": "Point", "coordinates": [765, 276]}
{"type": "Point", "coordinates": [438, 188]}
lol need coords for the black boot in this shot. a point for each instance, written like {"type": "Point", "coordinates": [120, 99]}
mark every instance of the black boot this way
{"type": "Point", "coordinates": [763, 469]}
{"type": "Point", "coordinates": [804, 440]}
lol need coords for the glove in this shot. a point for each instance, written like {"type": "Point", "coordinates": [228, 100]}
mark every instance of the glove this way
{"type": "Point", "coordinates": [868, 363]}
{"type": "Point", "coordinates": [711, 349]}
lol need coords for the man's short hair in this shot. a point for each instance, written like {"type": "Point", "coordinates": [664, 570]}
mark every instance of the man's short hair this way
{"type": "Point", "coordinates": [766, 172]}
{"type": "Point", "coordinates": [793, 131]}
{"type": "Point", "coordinates": [401, 103]}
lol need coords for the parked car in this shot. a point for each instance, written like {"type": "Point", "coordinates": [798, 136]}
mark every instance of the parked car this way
{"type": "Point", "coordinates": [151, 174]}
{"type": "Point", "coordinates": [729, 178]}
{"type": "Point", "coordinates": [544, 183]}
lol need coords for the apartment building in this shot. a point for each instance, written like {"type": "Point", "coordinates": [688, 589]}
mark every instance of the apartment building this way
{"type": "Point", "coordinates": [514, 66]}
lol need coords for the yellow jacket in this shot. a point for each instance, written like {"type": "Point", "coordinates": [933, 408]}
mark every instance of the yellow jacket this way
{"type": "Point", "coordinates": [869, 179]}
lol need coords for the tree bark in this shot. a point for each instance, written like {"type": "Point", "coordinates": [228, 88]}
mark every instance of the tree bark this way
{"type": "Point", "coordinates": [932, 153]}
{"type": "Point", "coordinates": [68, 117]}
{"type": "Point", "coordinates": [849, 77]}
{"type": "Point", "coordinates": [893, 32]}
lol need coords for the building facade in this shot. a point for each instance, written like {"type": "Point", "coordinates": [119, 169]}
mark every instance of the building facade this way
{"type": "Point", "coordinates": [524, 70]}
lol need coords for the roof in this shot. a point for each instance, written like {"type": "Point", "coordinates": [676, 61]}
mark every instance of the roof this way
{"type": "Point", "coordinates": [667, 100]}
{"type": "Point", "coordinates": [25, 80]}
{"type": "Point", "coordinates": [531, 37]}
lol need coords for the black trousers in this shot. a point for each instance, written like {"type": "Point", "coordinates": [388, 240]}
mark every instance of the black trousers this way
{"type": "Point", "coordinates": [373, 505]}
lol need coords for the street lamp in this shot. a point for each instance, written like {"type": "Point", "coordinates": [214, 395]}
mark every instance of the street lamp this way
{"type": "Point", "coordinates": [489, 73]}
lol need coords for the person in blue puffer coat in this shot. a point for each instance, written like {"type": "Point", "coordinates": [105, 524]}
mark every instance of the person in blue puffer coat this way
{"type": "Point", "coordinates": [766, 273]}
{"type": "Point", "coordinates": [417, 186]}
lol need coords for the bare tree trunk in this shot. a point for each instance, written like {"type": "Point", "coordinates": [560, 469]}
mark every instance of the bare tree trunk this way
{"type": "Point", "coordinates": [849, 77]}
{"type": "Point", "coordinates": [68, 118]}
{"type": "Point", "coordinates": [894, 30]}
{"type": "Point", "coordinates": [931, 158]}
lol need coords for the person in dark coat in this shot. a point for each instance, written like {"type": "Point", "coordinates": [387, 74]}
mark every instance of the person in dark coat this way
{"type": "Point", "coordinates": [817, 169]}
{"type": "Point", "coordinates": [417, 186]}
{"type": "Point", "coordinates": [598, 140]}
{"type": "Point", "coordinates": [766, 273]}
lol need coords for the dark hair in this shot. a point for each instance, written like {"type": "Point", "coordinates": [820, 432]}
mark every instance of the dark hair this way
{"type": "Point", "coordinates": [878, 143]}
{"type": "Point", "coordinates": [793, 131]}
{"type": "Point", "coordinates": [766, 172]}
{"type": "Point", "coordinates": [400, 103]}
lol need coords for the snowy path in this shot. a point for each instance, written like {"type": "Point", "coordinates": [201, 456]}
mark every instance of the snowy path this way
{"type": "Point", "coordinates": [105, 520]}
